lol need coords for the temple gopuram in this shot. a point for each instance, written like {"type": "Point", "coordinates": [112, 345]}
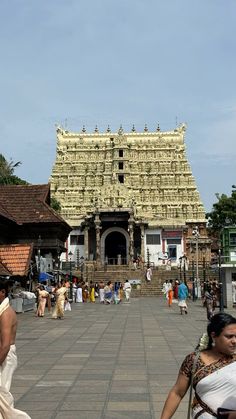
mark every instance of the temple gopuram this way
{"type": "Point", "coordinates": [128, 196]}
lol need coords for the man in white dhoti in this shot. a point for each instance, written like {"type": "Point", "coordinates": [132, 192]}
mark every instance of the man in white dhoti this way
{"type": "Point", "coordinates": [79, 296]}
{"type": "Point", "coordinates": [127, 290]}
{"type": "Point", "coordinates": [149, 274]}
{"type": "Point", "coordinates": [101, 286]}
{"type": "Point", "coordinates": [8, 358]}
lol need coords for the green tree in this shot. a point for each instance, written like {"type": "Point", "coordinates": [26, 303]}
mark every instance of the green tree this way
{"type": "Point", "coordinates": [223, 212]}
{"type": "Point", "coordinates": [7, 169]}
{"type": "Point", "coordinates": [55, 204]}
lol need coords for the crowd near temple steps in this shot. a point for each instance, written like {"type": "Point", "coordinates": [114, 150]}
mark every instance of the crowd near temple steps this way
{"type": "Point", "coordinates": [117, 290]}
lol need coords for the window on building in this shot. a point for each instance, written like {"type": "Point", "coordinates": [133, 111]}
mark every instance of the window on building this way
{"type": "Point", "coordinates": [172, 252]}
{"type": "Point", "coordinates": [232, 239]}
{"type": "Point", "coordinates": [173, 241]}
{"type": "Point", "coordinates": [77, 239]}
{"type": "Point", "coordinates": [121, 178]}
{"type": "Point", "coordinates": [121, 165]}
{"type": "Point", "coordinates": [121, 153]}
{"type": "Point", "coordinates": [153, 239]}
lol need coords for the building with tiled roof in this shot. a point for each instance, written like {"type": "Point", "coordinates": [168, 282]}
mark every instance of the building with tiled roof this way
{"type": "Point", "coordinates": [29, 228]}
{"type": "Point", "coordinates": [16, 258]}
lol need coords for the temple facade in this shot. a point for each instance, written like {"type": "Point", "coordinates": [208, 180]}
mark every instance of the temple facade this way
{"type": "Point", "coordinates": [128, 196]}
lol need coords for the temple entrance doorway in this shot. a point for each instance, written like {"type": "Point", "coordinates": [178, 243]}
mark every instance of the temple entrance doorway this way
{"type": "Point", "coordinates": [114, 243]}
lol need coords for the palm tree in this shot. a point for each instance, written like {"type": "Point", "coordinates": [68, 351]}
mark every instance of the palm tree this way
{"type": "Point", "coordinates": [7, 172]}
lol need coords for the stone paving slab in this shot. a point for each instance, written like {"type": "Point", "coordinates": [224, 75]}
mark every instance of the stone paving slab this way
{"type": "Point", "coordinates": [104, 362]}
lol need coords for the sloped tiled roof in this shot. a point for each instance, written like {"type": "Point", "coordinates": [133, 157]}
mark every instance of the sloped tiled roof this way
{"type": "Point", "coordinates": [4, 213]}
{"type": "Point", "coordinates": [27, 204]}
{"type": "Point", "coordinates": [3, 270]}
{"type": "Point", "coordinates": [16, 258]}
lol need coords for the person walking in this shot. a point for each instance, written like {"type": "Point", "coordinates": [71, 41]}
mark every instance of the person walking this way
{"type": "Point", "coordinates": [79, 296]}
{"type": "Point", "coordinates": [127, 290]}
{"type": "Point", "coordinates": [92, 292]}
{"type": "Point", "coordinates": [43, 298]}
{"type": "Point", "coordinates": [8, 357]}
{"type": "Point", "coordinates": [182, 297]}
{"type": "Point", "coordinates": [208, 302]}
{"type": "Point", "coordinates": [108, 295]}
{"type": "Point", "coordinates": [165, 288]}
{"type": "Point", "coordinates": [170, 293]}
{"type": "Point", "coordinates": [101, 286]}
{"type": "Point", "coordinates": [61, 298]}
{"type": "Point", "coordinates": [175, 289]}
{"type": "Point", "coordinates": [149, 274]}
{"type": "Point", "coordinates": [210, 370]}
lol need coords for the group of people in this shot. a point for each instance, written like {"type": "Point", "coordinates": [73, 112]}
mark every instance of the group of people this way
{"type": "Point", "coordinates": [57, 297]}
{"type": "Point", "coordinates": [106, 293]}
{"type": "Point", "coordinates": [109, 293]}
{"type": "Point", "coordinates": [177, 291]}
{"type": "Point", "coordinates": [44, 298]}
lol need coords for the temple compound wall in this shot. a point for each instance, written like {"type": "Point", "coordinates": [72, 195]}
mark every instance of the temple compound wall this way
{"type": "Point", "coordinates": [128, 196]}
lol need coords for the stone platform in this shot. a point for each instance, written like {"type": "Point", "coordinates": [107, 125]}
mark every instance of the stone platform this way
{"type": "Point", "coordinates": [104, 362]}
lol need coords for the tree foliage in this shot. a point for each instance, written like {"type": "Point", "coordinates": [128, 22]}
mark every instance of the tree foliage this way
{"type": "Point", "coordinates": [55, 204]}
{"type": "Point", "coordinates": [223, 212]}
{"type": "Point", "coordinates": [7, 169]}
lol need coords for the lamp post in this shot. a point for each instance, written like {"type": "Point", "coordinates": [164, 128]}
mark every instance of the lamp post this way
{"type": "Point", "coordinates": [196, 235]}
{"type": "Point", "coordinates": [70, 254]}
{"type": "Point", "coordinates": [204, 272]}
{"type": "Point", "coordinates": [220, 283]}
{"type": "Point", "coordinates": [39, 256]}
{"type": "Point", "coordinates": [58, 262]}
{"type": "Point", "coordinates": [193, 281]}
{"type": "Point", "coordinates": [180, 268]}
{"type": "Point", "coordinates": [82, 267]}
{"type": "Point", "coordinates": [182, 263]}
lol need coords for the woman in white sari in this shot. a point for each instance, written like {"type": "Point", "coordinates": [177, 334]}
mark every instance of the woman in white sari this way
{"type": "Point", "coordinates": [213, 366]}
{"type": "Point", "coordinates": [61, 297]}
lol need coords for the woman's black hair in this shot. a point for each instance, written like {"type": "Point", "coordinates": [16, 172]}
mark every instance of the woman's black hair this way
{"type": "Point", "coordinates": [217, 324]}
{"type": "Point", "coordinates": [4, 285]}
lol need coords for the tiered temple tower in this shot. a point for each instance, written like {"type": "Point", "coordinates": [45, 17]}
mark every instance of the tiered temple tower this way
{"type": "Point", "coordinates": [127, 195]}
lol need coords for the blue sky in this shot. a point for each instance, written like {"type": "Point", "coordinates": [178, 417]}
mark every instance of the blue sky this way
{"type": "Point", "coordinates": [88, 62]}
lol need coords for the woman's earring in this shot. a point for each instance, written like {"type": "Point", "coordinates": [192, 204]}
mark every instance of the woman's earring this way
{"type": "Point", "coordinates": [213, 343]}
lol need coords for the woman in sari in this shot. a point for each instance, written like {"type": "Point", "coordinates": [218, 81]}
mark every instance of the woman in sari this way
{"type": "Point", "coordinates": [61, 297]}
{"type": "Point", "coordinates": [43, 297]}
{"type": "Point", "coordinates": [213, 367]}
{"type": "Point", "coordinates": [92, 292]}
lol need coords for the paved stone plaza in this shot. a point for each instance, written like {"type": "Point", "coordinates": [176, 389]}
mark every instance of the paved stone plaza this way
{"type": "Point", "coordinates": [109, 362]}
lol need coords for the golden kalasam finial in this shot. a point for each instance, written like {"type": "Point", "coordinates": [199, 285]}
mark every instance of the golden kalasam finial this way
{"type": "Point", "coordinates": [120, 130]}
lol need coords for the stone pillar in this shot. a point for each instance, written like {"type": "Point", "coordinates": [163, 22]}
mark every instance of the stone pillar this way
{"type": "Point", "coordinates": [97, 223]}
{"type": "Point", "coordinates": [86, 249]}
{"type": "Point", "coordinates": [131, 243]}
{"type": "Point", "coordinates": [142, 243]}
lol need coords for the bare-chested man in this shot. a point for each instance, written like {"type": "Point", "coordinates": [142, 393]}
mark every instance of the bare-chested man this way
{"type": "Point", "coordinates": [8, 324]}
{"type": "Point", "coordinates": [8, 359]}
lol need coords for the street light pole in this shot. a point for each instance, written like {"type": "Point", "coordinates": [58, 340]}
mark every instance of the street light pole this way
{"type": "Point", "coordinates": [196, 236]}
{"type": "Point", "coordinates": [184, 258]}
{"type": "Point", "coordinates": [180, 268]}
{"type": "Point", "coordinates": [39, 257]}
{"type": "Point", "coordinates": [58, 263]}
{"type": "Point", "coordinates": [193, 273]}
{"type": "Point", "coordinates": [220, 284]}
{"type": "Point", "coordinates": [70, 254]}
